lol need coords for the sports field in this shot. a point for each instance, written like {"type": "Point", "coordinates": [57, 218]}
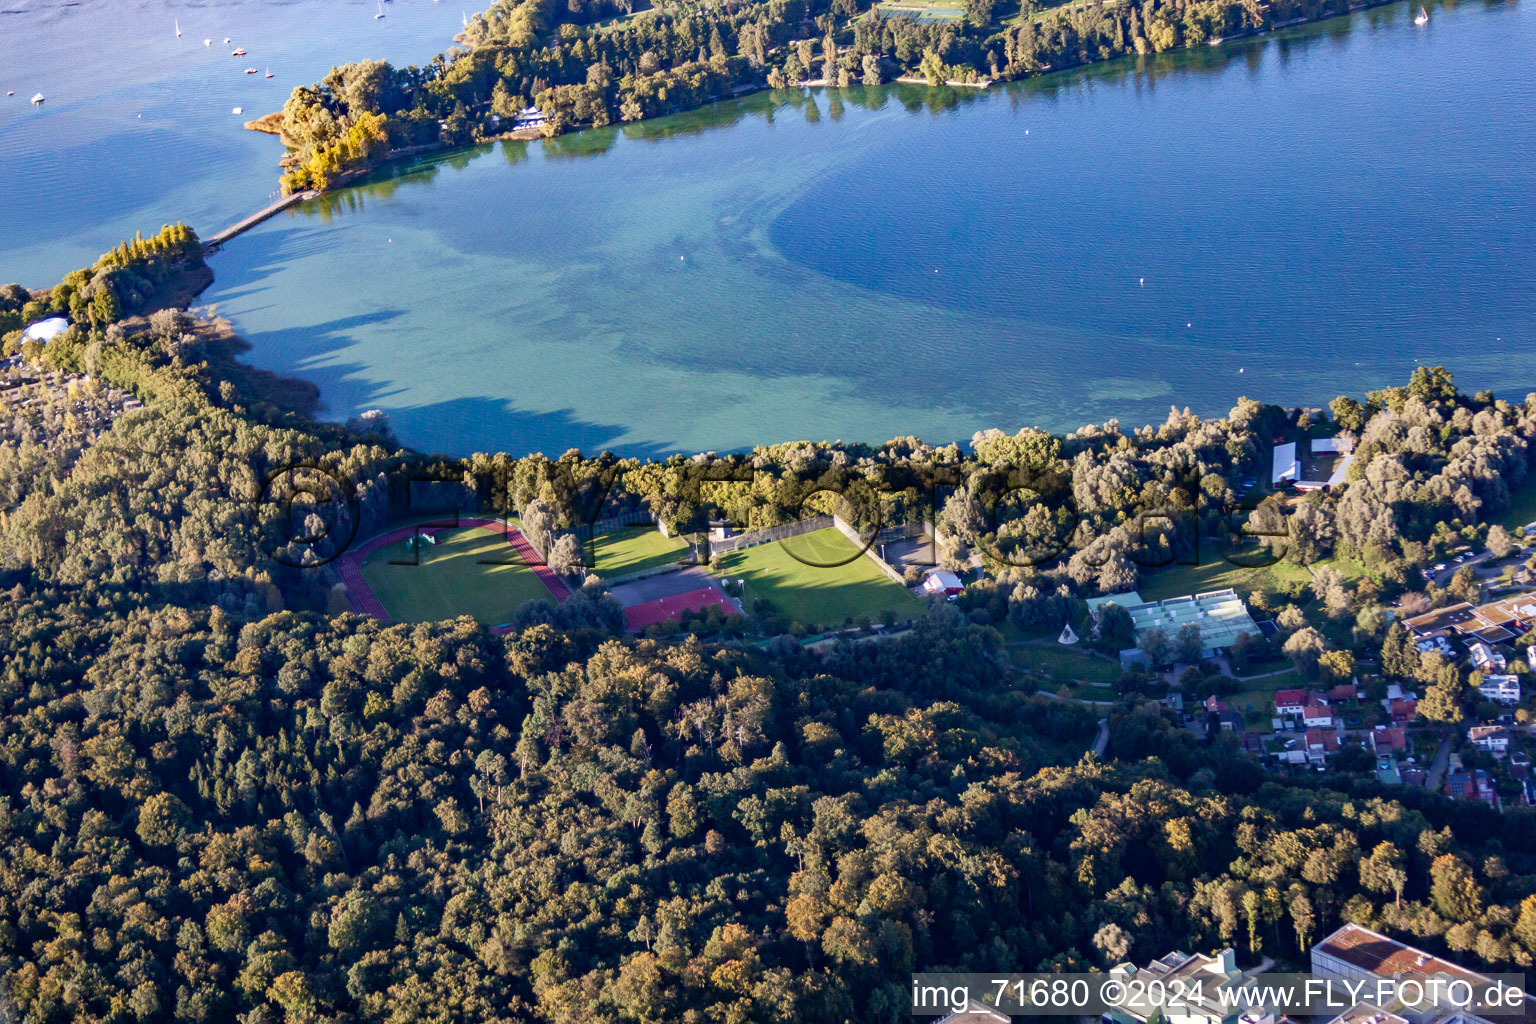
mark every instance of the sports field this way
{"type": "Point", "coordinates": [621, 552]}
{"type": "Point", "coordinates": [922, 10]}
{"type": "Point", "coordinates": [450, 581]}
{"type": "Point", "coordinates": [815, 596]}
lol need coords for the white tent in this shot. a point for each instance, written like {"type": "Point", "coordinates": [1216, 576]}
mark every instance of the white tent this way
{"type": "Point", "coordinates": [46, 330]}
{"type": "Point", "coordinates": [1067, 636]}
{"type": "Point", "coordinates": [1286, 466]}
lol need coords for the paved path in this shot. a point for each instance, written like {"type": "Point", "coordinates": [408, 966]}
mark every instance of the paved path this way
{"type": "Point", "coordinates": [1101, 743]}
{"type": "Point", "coordinates": [1437, 769]}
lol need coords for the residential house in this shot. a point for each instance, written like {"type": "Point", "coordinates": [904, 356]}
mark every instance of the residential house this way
{"type": "Point", "coordinates": [1197, 978]}
{"type": "Point", "coordinates": [1401, 711]}
{"type": "Point", "coordinates": [1320, 743]}
{"type": "Point", "coordinates": [1343, 694]}
{"type": "Point", "coordinates": [1501, 689]}
{"type": "Point", "coordinates": [530, 117]}
{"type": "Point", "coordinates": [1492, 738]}
{"type": "Point", "coordinates": [1388, 739]}
{"type": "Point", "coordinates": [1317, 716]}
{"type": "Point", "coordinates": [1290, 702]}
{"type": "Point", "coordinates": [1474, 785]}
{"type": "Point", "coordinates": [1485, 658]}
{"type": "Point", "coordinates": [1438, 644]}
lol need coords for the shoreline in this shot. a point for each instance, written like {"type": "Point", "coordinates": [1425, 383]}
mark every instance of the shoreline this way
{"type": "Point", "coordinates": [269, 123]}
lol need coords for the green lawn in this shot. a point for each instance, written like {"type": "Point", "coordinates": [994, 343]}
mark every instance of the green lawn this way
{"type": "Point", "coordinates": [814, 595]}
{"type": "Point", "coordinates": [620, 552]}
{"type": "Point", "coordinates": [1522, 506]}
{"type": "Point", "coordinates": [450, 581]}
{"type": "Point", "coordinates": [1066, 663]}
{"type": "Point", "coordinates": [1218, 574]}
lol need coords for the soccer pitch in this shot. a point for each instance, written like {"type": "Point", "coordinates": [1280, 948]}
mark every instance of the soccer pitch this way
{"type": "Point", "coordinates": [451, 580]}
{"type": "Point", "coordinates": [814, 596]}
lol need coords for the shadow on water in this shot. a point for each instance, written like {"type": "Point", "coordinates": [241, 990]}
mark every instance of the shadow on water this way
{"type": "Point", "coordinates": [493, 424]}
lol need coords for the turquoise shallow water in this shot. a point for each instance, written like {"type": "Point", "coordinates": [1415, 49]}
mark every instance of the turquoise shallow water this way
{"type": "Point", "coordinates": [1288, 217]}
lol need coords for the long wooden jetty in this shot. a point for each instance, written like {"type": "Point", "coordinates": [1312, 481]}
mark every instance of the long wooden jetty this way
{"type": "Point", "coordinates": [212, 242]}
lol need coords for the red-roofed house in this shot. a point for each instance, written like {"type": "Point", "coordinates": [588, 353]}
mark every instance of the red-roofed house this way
{"type": "Point", "coordinates": [1389, 739]}
{"type": "Point", "coordinates": [1403, 710]}
{"type": "Point", "coordinates": [1290, 702]}
{"type": "Point", "coordinates": [1317, 716]}
{"type": "Point", "coordinates": [1321, 743]}
{"type": "Point", "coordinates": [1343, 693]}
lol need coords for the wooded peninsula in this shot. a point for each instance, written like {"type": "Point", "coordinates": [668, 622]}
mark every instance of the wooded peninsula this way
{"type": "Point", "coordinates": [549, 67]}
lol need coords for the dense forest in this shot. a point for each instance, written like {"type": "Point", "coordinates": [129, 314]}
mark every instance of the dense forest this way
{"type": "Point", "coordinates": [222, 797]}
{"type": "Point", "coordinates": [597, 62]}
{"type": "Point", "coordinates": [293, 818]}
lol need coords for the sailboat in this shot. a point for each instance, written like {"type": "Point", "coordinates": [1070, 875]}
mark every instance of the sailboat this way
{"type": "Point", "coordinates": [1422, 18]}
{"type": "Point", "coordinates": [178, 27]}
{"type": "Point", "coordinates": [38, 98]}
{"type": "Point", "coordinates": [376, 17]}
{"type": "Point", "coordinates": [207, 42]}
{"type": "Point", "coordinates": [464, 18]}
{"type": "Point", "coordinates": [269, 72]}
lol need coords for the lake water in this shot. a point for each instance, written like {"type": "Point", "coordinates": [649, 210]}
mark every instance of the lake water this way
{"type": "Point", "coordinates": [137, 129]}
{"type": "Point", "coordinates": [1287, 217]}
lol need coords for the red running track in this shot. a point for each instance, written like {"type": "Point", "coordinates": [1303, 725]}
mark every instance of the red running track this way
{"type": "Point", "coordinates": [350, 565]}
{"type": "Point", "coordinates": [637, 617]}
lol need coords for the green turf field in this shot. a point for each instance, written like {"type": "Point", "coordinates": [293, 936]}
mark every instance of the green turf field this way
{"type": "Point", "coordinates": [1065, 664]}
{"type": "Point", "coordinates": [620, 552]}
{"type": "Point", "coordinates": [449, 582]}
{"type": "Point", "coordinates": [816, 596]}
{"type": "Point", "coordinates": [1217, 574]}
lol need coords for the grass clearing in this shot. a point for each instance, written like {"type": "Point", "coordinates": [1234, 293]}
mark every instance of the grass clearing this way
{"type": "Point", "coordinates": [620, 552]}
{"type": "Point", "coordinates": [1522, 506]}
{"type": "Point", "coordinates": [1216, 573]}
{"type": "Point", "coordinates": [450, 581]}
{"type": "Point", "coordinates": [1064, 664]}
{"type": "Point", "coordinates": [822, 594]}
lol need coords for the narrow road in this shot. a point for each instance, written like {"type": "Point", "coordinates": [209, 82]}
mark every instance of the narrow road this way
{"type": "Point", "coordinates": [1437, 769]}
{"type": "Point", "coordinates": [1101, 744]}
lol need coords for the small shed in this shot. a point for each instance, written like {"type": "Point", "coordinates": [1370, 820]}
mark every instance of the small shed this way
{"type": "Point", "coordinates": [942, 583]}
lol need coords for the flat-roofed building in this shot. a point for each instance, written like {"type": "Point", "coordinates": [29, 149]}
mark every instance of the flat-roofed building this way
{"type": "Point", "coordinates": [1501, 689]}
{"type": "Point", "coordinates": [1367, 1013]}
{"type": "Point", "coordinates": [1185, 973]}
{"type": "Point", "coordinates": [1360, 954]}
{"type": "Point", "coordinates": [1221, 616]}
